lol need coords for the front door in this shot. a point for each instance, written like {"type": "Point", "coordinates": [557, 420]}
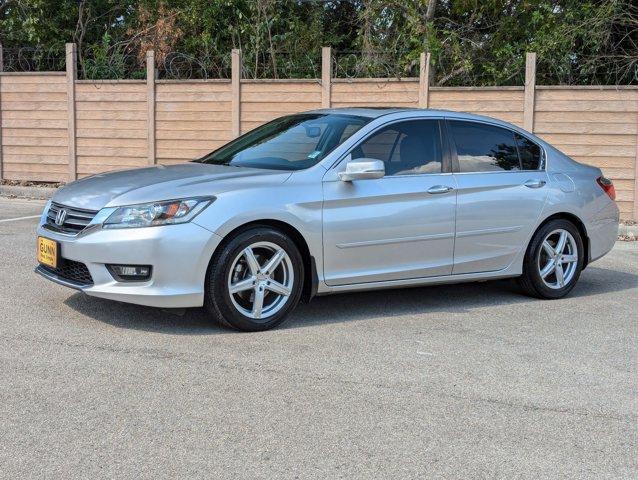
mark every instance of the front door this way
{"type": "Point", "coordinates": [501, 192]}
{"type": "Point", "coordinates": [400, 226]}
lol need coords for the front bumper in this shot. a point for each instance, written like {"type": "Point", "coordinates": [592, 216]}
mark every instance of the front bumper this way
{"type": "Point", "coordinates": [179, 255]}
{"type": "Point", "coordinates": [49, 275]}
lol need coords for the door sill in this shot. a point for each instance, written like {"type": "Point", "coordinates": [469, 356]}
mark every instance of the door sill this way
{"type": "Point", "coordinates": [442, 279]}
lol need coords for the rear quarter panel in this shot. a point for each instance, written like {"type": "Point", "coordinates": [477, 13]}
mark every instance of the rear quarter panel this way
{"type": "Point", "coordinates": [574, 190]}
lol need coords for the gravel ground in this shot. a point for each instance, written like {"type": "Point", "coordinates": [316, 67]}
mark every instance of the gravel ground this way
{"type": "Point", "coordinates": [461, 381]}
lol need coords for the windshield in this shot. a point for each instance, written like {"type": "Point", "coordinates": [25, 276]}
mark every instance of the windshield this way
{"type": "Point", "coordinates": [294, 142]}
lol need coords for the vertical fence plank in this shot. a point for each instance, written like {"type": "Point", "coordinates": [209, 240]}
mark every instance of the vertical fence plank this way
{"type": "Point", "coordinates": [71, 77]}
{"type": "Point", "coordinates": [235, 78]}
{"type": "Point", "coordinates": [530, 91]}
{"type": "Point", "coordinates": [326, 77]}
{"type": "Point", "coordinates": [150, 105]}
{"type": "Point", "coordinates": [636, 183]}
{"type": "Point", "coordinates": [1, 70]}
{"type": "Point", "coordinates": [424, 80]}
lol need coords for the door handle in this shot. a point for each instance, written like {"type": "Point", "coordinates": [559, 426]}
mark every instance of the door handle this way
{"type": "Point", "coordinates": [535, 183]}
{"type": "Point", "coordinates": [436, 189]}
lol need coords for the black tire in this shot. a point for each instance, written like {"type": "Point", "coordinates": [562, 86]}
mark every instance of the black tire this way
{"type": "Point", "coordinates": [218, 297]}
{"type": "Point", "coordinates": [531, 282]}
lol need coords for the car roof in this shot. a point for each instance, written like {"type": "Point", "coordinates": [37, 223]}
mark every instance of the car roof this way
{"type": "Point", "coordinates": [370, 112]}
{"type": "Point", "coordinates": [376, 112]}
{"type": "Point", "coordinates": [412, 112]}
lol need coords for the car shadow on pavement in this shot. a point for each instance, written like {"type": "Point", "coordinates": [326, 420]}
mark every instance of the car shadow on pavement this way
{"type": "Point", "coordinates": [448, 298]}
{"type": "Point", "coordinates": [189, 321]}
{"type": "Point", "coordinates": [346, 307]}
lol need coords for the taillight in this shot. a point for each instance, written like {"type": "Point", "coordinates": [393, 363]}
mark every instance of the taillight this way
{"type": "Point", "coordinates": [608, 186]}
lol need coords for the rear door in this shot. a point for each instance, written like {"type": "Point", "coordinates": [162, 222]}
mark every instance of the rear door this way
{"type": "Point", "coordinates": [502, 187]}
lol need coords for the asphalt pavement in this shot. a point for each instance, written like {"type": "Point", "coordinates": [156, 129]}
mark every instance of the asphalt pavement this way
{"type": "Point", "coordinates": [460, 381]}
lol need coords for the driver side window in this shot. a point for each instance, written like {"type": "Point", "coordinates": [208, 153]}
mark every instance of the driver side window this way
{"type": "Point", "coordinates": [406, 148]}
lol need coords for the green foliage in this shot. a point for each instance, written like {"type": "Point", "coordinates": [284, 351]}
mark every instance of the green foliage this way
{"type": "Point", "coordinates": [103, 63]}
{"type": "Point", "coordinates": [471, 42]}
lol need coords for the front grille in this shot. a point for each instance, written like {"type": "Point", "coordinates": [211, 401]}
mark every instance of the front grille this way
{"type": "Point", "coordinates": [72, 271]}
{"type": "Point", "coordinates": [76, 219]}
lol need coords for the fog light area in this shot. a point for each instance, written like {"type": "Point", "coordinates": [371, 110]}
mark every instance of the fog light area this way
{"type": "Point", "coordinates": [130, 273]}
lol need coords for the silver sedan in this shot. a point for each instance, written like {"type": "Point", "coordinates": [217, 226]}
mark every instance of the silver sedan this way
{"type": "Point", "coordinates": [332, 201]}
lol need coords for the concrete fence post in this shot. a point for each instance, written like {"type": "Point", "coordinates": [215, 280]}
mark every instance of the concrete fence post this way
{"type": "Point", "coordinates": [530, 91]}
{"type": "Point", "coordinates": [424, 80]}
{"type": "Point", "coordinates": [1, 70]}
{"type": "Point", "coordinates": [636, 181]}
{"type": "Point", "coordinates": [71, 77]}
{"type": "Point", "coordinates": [150, 105]}
{"type": "Point", "coordinates": [235, 80]}
{"type": "Point", "coordinates": [326, 77]}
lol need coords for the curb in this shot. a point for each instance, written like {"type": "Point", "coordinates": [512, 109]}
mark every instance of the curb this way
{"type": "Point", "coordinates": [41, 193]}
{"type": "Point", "coordinates": [628, 231]}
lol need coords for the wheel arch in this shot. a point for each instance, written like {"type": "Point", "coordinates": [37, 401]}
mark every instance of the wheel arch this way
{"type": "Point", "coordinates": [311, 278]}
{"type": "Point", "coordinates": [578, 223]}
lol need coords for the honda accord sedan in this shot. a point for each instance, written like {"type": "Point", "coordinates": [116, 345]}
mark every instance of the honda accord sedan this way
{"type": "Point", "coordinates": [332, 201]}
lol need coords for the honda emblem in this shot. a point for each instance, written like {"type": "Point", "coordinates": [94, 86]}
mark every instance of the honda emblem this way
{"type": "Point", "coordinates": [60, 217]}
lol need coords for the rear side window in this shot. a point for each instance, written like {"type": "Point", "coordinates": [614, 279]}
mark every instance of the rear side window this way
{"type": "Point", "coordinates": [484, 148]}
{"type": "Point", "coordinates": [530, 153]}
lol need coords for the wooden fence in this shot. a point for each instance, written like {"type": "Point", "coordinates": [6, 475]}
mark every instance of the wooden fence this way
{"type": "Point", "coordinates": [54, 127]}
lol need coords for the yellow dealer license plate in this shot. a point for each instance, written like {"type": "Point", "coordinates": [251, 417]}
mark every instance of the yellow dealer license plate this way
{"type": "Point", "coordinates": [48, 252]}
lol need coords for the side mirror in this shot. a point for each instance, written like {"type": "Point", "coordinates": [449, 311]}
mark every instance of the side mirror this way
{"type": "Point", "coordinates": [363, 169]}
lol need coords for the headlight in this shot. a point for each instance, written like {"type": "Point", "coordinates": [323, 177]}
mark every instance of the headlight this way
{"type": "Point", "coordinates": [157, 213]}
{"type": "Point", "coordinates": [45, 212]}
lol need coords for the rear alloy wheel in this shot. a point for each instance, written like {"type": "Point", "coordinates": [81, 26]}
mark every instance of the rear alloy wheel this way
{"type": "Point", "coordinates": [553, 261]}
{"type": "Point", "coordinates": [256, 280]}
{"type": "Point", "coordinates": [558, 259]}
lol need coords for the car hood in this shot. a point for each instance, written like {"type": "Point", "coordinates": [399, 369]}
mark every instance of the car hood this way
{"type": "Point", "coordinates": [161, 182]}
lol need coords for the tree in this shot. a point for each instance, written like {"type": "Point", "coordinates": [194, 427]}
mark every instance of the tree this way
{"type": "Point", "coordinates": [471, 42]}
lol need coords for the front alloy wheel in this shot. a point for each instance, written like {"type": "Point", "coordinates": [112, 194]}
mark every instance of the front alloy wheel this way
{"type": "Point", "coordinates": [260, 280]}
{"type": "Point", "coordinates": [255, 280]}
